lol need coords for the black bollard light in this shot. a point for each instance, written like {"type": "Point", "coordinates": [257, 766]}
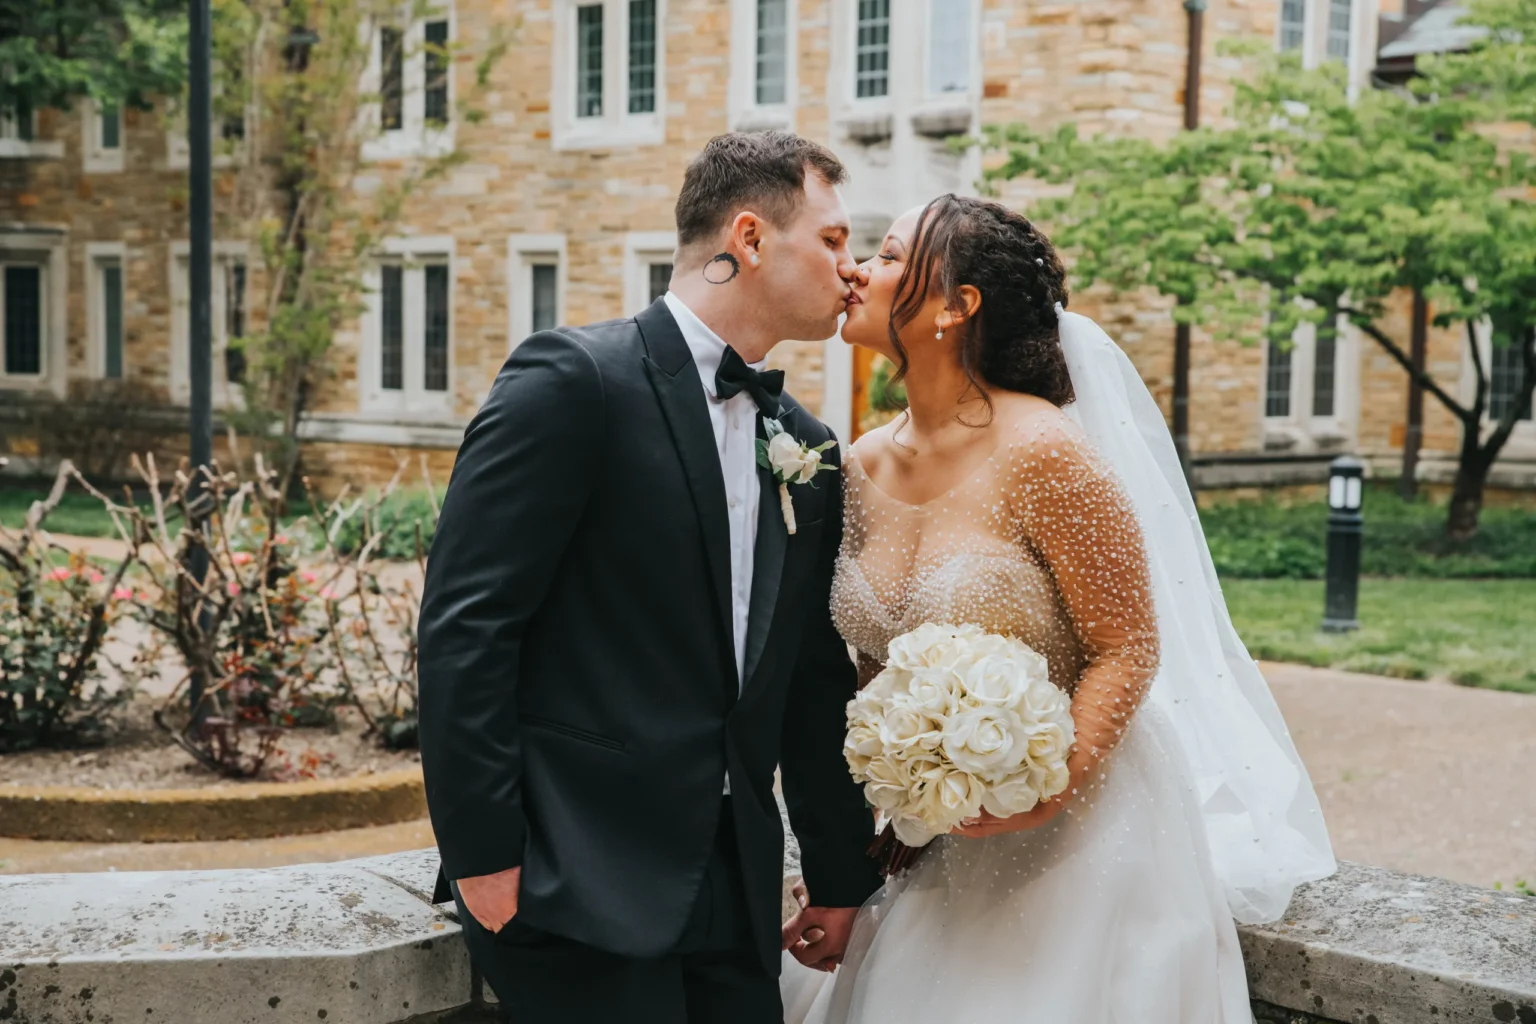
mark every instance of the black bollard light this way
{"type": "Point", "coordinates": [1346, 483]}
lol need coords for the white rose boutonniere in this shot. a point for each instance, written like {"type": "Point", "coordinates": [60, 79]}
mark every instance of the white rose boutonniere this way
{"type": "Point", "coordinates": [790, 461]}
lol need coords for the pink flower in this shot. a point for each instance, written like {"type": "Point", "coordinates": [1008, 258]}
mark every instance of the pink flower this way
{"type": "Point", "coordinates": [327, 593]}
{"type": "Point", "coordinates": [241, 557]}
{"type": "Point", "coordinates": [307, 576]}
{"type": "Point", "coordinates": [281, 538]}
{"type": "Point", "coordinates": [233, 588]}
{"type": "Point", "coordinates": [59, 575]}
{"type": "Point", "coordinates": [122, 594]}
{"type": "Point", "coordinates": [97, 577]}
{"type": "Point", "coordinates": [143, 595]}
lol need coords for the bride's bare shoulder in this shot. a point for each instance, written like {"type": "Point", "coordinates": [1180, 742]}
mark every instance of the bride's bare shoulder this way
{"type": "Point", "coordinates": [1031, 424]}
{"type": "Point", "coordinates": [874, 447]}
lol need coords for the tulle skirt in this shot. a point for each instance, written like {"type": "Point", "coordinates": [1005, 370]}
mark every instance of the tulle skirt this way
{"type": "Point", "coordinates": [1108, 915]}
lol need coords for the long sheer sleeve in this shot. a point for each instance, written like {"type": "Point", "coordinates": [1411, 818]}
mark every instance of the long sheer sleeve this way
{"type": "Point", "coordinates": [1077, 519]}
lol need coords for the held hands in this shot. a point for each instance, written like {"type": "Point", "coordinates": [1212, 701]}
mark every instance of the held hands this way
{"type": "Point", "coordinates": [492, 899]}
{"type": "Point", "coordinates": [818, 936]}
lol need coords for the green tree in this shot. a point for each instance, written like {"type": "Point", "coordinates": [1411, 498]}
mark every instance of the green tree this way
{"type": "Point", "coordinates": [1343, 205]}
{"type": "Point", "coordinates": [121, 53]}
{"type": "Point", "coordinates": [304, 67]}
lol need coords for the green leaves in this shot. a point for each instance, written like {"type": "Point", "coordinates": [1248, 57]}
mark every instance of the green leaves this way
{"type": "Point", "coordinates": [123, 53]}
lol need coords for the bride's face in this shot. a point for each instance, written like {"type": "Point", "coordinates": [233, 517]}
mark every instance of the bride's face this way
{"type": "Point", "coordinates": [874, 293]}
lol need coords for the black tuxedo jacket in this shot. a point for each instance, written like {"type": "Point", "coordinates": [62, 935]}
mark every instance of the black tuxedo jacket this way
{"type": "Point", "coordinates": [579, 692]}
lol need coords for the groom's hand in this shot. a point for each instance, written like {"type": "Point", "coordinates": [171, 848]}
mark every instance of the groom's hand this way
{"type": "Point", "coordinates": [492, 898]}
{"type": "Point", "coordinates": [818, 936]}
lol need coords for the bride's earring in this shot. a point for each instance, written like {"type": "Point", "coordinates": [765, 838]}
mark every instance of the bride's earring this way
{"type": "Point", "coordinates": [939, 336]}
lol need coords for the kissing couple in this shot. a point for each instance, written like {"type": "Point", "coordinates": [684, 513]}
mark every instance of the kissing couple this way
{"type": "Point", "coordinates": [658, 580]}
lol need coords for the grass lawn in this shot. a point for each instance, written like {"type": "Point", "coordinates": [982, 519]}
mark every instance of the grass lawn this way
{"type": "Point", "coordinates": [78, 513]}
{"type": "Point", "coordinates": [1474, 632]}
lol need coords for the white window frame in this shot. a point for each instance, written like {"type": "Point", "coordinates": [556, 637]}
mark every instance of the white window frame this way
{"type": "Point", "coordinates": [1314, 46]}
{"type": "Point", "coordinates": [617, 127]}
{"type": "Point", "coordinates": [746, 113]}
{"type": "Point", "coordinates": [14, 147]}
{"type": "Point", "coordinates": [48, 250]}
{"type": "Point", "coordinates": [95, 157]}
{"type": "Point", "coordinates": [411, 401]}
{"type": "Point", "coordinates": [97, 254]}
{"type": "Point", "coordinates": [178, 151]}
{"type": "Point", "coordinates": [894, 53]}
{"type": "Point", "coordinates": [643, 249]}
{"type": "Point", "coordinates": [415, 137]}
{"type": "Point", "coordinates": [180, 376]}
{"type": "Point", "coordinates": [1300, 429]}
{"type": "Point", "coordinates": [524, 252]}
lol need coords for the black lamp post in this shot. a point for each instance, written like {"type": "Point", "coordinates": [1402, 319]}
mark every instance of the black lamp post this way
{"type": "Point", "coordinates": [200, 277]}
{"type": "Point", "coordinates": [1345, 524]}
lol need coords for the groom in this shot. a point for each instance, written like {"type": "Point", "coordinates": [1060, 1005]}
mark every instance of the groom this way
{"type": "Point", "coordinates": [620, 639]}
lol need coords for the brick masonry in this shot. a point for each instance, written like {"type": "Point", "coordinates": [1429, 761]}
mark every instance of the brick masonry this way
{"type": "Point", "coordinates": [1110, 65]}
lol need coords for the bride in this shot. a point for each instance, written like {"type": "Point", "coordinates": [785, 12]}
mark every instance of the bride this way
{"type": "Point", "coordinates": [1031, 488]}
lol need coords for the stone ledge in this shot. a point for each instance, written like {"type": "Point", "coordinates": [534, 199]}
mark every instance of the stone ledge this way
{"type": "Point", "coordinates": [359, 942]}
{"type": "Point", "coordinates": [1375, 947]}
{"type": "Point", "coordinates": [254, 810]}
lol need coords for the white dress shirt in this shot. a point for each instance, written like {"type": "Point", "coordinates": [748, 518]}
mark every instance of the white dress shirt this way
{"type": "Point", "coordinates": [735, 423]}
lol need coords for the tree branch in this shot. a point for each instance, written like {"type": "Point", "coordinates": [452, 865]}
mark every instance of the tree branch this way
{"type": "Point", "coordinates": [1425, 380]}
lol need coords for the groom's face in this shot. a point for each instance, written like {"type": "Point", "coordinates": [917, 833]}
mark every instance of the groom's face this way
{"type": "Point", "coordinates": [807, 265]}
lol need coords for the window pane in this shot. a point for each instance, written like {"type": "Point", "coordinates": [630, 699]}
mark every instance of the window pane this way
{"type": "Point", "coordinates": [391, 345]}
{"type": "Point", "coordinates": [1277, 381]}
{"type": "Point", "coordinates": [23, 320]}
{"type": "Point", "coordinates": [1293, 23]}
{"type": "Point", "coordinates": [111, 128]}
{"type": "Point", "coordinates": [112, 319]}
{"type": "Point", "coordinates": [589, 60]}
{"type": "Point", "coordinates": [392, 79]}
{"type": "Point", "coordinates": [873, 48]}
{"type": "Point", "coordinates": [660, 280]}
{"type": "Point", "coordinates": [642, 56]}
{"type": "Point", "coordinates": [772, 46]}
{"type": "Point", "coordinates": [546, 313]}
{"type": "Point", "coordinates": [436, 110]}
{"type": "Point", "coordinates": [1323, 375]}
{"type": "Point", "coordinates": [1338, 29]}
{"type": "Point", "coordinates": [234, 322]}
{"type": "Point", "coordinates": [949, 46]}
{"type": "Point", "coordinates": [1506, 376]}
{"type": "Point", "coordinates": [435, 333]}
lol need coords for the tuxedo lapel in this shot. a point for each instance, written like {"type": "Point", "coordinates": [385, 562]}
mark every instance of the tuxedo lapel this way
{"type": "Point", "coordinates": [675, 380]}
{"type": "Point", "coordinates": [767, 567]}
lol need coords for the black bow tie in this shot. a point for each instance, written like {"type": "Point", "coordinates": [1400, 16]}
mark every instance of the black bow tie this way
{"type": "Point", "coordinates": [735, 376]}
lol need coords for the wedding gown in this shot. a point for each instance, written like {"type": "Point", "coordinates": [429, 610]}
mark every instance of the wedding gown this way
{"type": "Point", "coordinates": [1109, 913]}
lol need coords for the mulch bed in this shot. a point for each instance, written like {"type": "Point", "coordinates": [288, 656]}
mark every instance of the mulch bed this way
{"type": "Point", "coordinates": [141, 756]}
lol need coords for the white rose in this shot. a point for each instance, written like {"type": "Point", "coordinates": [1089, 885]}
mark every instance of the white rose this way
{"type": "Point", "coordinates": [860, 746]}
{"type": "Point", "coordinates": [985, 741]}
{"type": "Point", "coordinates": [786, 455]}
{"type": "Point", "coordinates": [866, 706]}
{"type": "Point", "coordinates": [1048, 745]}
{"type": "Point", "coordinates": [948, 796]}
{"type": "Point", "coordinates": [887, 787]}
{"type": "Point", "coordinates": [994, 681]}
{"type": "Point", "coordinates": [935, 691]}
{"type": "Point", "coordinates": [913, 831]}
{"type": "Point", "coordinates": [1013, 795]}
{"type": "Point", "coordinates": [927, 646]}
{"type": "Point", "coordinates": [905, 727]}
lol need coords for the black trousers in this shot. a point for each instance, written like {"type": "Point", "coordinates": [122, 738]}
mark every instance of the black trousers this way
{"type": "Point", "coordinates": [714, 976]}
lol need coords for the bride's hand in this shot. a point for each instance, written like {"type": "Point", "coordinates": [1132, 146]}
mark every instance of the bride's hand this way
{"type": "Point", "coordinates": [989, 825]}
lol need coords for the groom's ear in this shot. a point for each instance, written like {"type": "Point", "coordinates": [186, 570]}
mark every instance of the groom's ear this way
{"type": "Point", "coordinates": [746, 236]}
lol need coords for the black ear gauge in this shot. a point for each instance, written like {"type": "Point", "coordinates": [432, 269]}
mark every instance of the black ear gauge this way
{"type": "Point", "coordinates": [716, 277]}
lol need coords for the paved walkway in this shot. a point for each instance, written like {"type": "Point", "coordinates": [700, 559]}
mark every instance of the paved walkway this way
{"type": "Point", "coordinates": [1422, 777]}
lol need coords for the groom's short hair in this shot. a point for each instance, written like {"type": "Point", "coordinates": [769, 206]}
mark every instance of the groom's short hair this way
{"type": "Point", "coordinates": [763, 171]}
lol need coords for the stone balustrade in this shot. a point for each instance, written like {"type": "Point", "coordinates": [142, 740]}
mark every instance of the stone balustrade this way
{"type": "Point", "coordinates": [359, 942]}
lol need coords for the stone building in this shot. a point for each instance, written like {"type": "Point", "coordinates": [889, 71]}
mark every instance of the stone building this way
{"type": "Point", "coordinates": [562, 210]}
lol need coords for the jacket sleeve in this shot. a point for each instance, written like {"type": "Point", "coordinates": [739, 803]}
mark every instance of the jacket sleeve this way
{"type": "Point", "coordinates": [524, 473]}
{"type": "Point", "coordinates": [826, 807]}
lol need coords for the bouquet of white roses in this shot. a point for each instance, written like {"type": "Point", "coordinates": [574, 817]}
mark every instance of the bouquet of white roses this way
{"type": "Point", "coordinates": [960, 720]}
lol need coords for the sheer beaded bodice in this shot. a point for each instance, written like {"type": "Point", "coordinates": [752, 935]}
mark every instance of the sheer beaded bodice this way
{"type": "Point", "coordinates": [1039, 543]}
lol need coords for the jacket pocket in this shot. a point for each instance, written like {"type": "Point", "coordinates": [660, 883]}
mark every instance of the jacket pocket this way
{"type": "Point", "coordinates": [571, 732]}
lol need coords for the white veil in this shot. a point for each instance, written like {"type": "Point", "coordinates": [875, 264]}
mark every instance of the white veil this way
{"type": "Point", "coordinates": [1262, 818]}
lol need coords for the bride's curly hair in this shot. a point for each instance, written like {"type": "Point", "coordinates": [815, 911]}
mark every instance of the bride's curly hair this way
{"type": "Point", "coordinates": [1013, 342]}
